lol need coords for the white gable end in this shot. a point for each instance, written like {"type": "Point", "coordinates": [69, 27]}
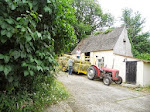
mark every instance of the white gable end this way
{"type": "Point", "coordinates": [123, 46]}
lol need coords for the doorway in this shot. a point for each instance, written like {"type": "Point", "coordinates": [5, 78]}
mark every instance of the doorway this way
{"type": "Point", "coordinates": [131, 70]}
{"type": "Point", "coordinates": [87, 56]}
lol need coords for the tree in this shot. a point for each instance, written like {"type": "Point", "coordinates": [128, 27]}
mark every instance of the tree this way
{"type": "Point", "coordinates": [31, 32]}
{"type": "Point", "coordinates": [58, 17]}
{"type": "Point", "coordinates": [138, 38]}
{"type": "Point", "coordinates": [89, 17]}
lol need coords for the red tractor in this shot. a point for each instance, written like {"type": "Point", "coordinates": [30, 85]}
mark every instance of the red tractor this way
{"type": "Point", "coordinates": [108, 75]}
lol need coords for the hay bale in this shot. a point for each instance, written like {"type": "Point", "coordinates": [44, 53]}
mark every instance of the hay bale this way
{"type": "Point", "coordinates": [63, 62]}
{"type": "Point", "coordinates": [83, 67]}
{"type": "Point", "coordinates": [75, 67]}
{"type": "Point", "coordinates": [67, 56]}
{"type": "Point", "coordinates": [86, 62]}
{"type": "Point", "coordinates": [63, 58]}
{"type": "Point", "coordinates": [76, 60]}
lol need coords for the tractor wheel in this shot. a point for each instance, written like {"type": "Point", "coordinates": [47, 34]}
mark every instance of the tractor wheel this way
{"type": "Point", "coordinates": [119, 81]}
{"type": "Point", "coordinates": [91, 72]}
{"type": "Point", "coordinates": [107, 80]}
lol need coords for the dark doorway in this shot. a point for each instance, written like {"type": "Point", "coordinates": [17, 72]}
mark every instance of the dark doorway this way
{"type": "Point", "coordinates": [87, 56]}
{"type": "Point", "coordinates": [131, 68]}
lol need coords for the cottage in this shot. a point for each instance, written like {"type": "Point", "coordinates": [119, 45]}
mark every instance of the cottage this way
{"type": "Point", "coordinates": [114, 49]}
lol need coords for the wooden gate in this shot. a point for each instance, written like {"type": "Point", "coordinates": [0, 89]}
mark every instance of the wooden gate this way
{"type": "Point", "coordinates": [131, 69]}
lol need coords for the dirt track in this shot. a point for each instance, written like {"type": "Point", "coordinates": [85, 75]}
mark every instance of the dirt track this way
{"type": "Point", "coordinates": [93, 96]}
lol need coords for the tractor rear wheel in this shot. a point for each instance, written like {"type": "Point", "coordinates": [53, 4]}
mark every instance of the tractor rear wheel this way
{"type": "Point", "coordinates": [107, 80]}
{"type": "Point", "coordinates": [119, 81]}
{"type": "Point", "coordinates": [91, 72]}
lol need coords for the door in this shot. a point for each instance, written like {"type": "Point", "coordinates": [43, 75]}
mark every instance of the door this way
{"type": "Point", "coordinates": [131, 68]}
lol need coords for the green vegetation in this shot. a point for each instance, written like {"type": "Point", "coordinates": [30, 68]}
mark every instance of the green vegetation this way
{"type": "Point", "coordinates": [103, 32]}
{"type": "Point", "coordinates": [46, 91]}
{"type": "Point", "coordinates": [142, 89]}
{"type": "Point", "coordinates": [31, 32]}
{"type": "Point", "coordinates": [108, 30]}
{"type": "Point", "coordinates": [97, 32]}
{"type": "Point", "coordinates": [144, 56]}
{"type": "Point", "coordinates": [89, 17]}
{"type": "Point", "coordinates": [139, 39]}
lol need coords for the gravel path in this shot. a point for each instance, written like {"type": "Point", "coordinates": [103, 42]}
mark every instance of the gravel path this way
{"type": "Point", "coordinates": [94, 96]}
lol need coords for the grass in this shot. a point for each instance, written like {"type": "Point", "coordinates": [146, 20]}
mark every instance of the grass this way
{"type": "Point", "coordinates": [46, 92]}
{"type": "Point", "coordinates": [140, 89]}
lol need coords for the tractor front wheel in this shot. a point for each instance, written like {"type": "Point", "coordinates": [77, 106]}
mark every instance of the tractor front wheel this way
{"type": "Point", "coordinates": [119, 81]}
{"type": "Point", "coordinates": [107, 80]}
{"type": "Point", "coordinates": [91, 72]}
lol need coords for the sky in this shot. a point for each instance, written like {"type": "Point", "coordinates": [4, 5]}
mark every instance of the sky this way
{"type": "Point", "coordinates": [115, 7]}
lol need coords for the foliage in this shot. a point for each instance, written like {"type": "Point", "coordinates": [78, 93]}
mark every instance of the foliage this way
{"type": "Point", "coordinates": [89, 17]}
{"type": "Point", "coordinates": [97, 33]}
{"type": "Point", "coordinates": [108, 30]}
{"type": "Point", "coordinates": [103, 32]}
{"type": "Point", "coordinates": [144, 56]}
{"type": "Point", "coordinates": [58, 17]}
{"type": "Point", "coordinates": [47, 91]}
{"type": "Point", "coordinates": [138, 38]}
{"type": "Point", "coordinates": [30, 34]}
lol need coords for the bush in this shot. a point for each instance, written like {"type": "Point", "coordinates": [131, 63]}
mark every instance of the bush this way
{"type": "Point", "coordinates": [46, 91]}
{"type": "Point", "coordinates": [28, 31]}
{"type": "Point", "coordinates": [144, 56]}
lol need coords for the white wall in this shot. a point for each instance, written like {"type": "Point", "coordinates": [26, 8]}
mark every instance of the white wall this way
{"type": "Point", "coordinates": [146, 74]}
{"type": "Point", "coordinates": [139, 74]}
{"type": "Point", "coordinates": [123, 48]}
{"type": "Point", "coordinates": [108, 57]}
{"type": "Point", "coordinates": [120, 65]}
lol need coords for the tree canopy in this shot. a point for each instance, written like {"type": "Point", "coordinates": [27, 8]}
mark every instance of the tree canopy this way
{"type": "Point", "coordinates": [89, 17]}
{"type": "Point", "coordinates": [31, 32]}
{"type": "Point", "coordinates": [139, 39]}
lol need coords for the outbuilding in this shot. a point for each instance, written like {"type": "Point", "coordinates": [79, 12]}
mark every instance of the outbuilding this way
{"type": "Point", "coordinates": [114, 49]}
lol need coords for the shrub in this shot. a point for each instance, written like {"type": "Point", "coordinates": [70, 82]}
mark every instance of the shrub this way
{"type": "Point", "coordinates": [47, 90]}
{"type": "Point", "coordinates": [144, 56]}
{"type": "Point", "coordinates": [29, 30]}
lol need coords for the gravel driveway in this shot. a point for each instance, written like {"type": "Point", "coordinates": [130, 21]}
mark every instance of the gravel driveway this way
{"type": "Point", "coordinates": [94, 96]}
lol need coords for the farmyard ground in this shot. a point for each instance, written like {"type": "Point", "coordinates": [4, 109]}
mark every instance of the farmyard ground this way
{"type": "Point", "coordinates": [94, 96]}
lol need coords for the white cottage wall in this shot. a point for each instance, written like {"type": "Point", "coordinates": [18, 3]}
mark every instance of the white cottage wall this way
{"type": "Point", "coordinates": [146, 74]}
{"type": "Point", "coordinates": [108, 57]}
{"type": "Point", "coordinates": [120, 64]}
{"type": "Point", "coordinates": [139, 74]}
{"type": "Point", "coordinates": [123, 46]}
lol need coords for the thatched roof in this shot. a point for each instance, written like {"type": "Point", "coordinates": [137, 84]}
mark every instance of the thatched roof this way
{"type": "Point", "coordinates": [99, 42]}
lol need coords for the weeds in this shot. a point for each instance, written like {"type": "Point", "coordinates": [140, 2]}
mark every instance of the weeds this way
{"type": "Point", "coordinates": [45, 93]}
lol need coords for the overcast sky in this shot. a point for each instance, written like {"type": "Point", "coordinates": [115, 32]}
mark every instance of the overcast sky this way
{"type": "Point", "coordinates": [115, 7]}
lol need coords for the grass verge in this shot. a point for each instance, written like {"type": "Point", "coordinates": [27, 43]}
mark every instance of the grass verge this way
{"type": "Point", "coordinates": [46, 91]}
